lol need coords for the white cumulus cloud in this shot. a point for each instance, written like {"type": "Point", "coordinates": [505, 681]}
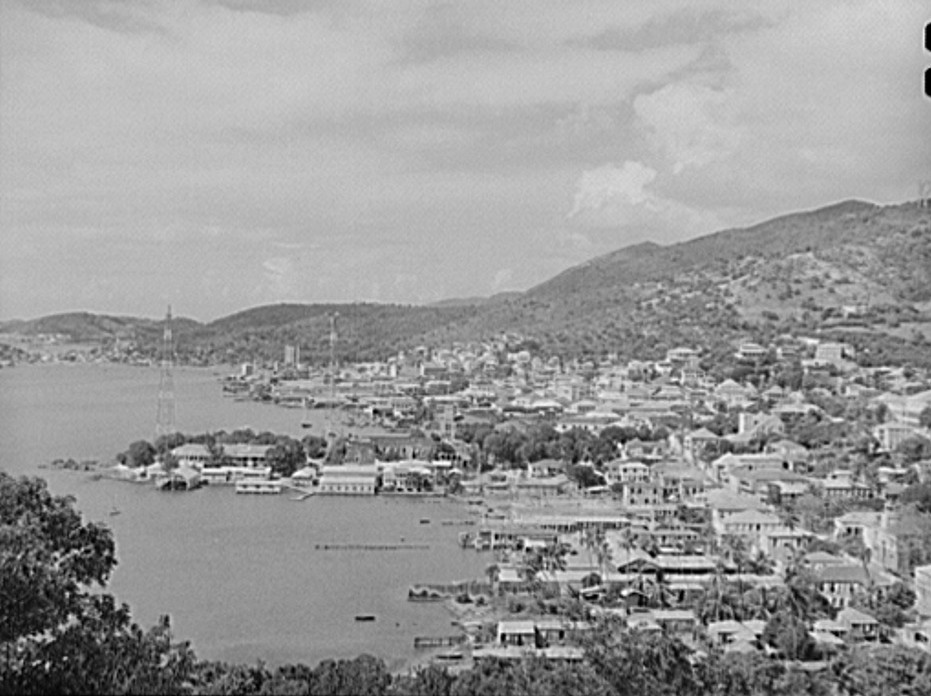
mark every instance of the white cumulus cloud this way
{"type": "Point", "coordinates": [691, 124]}
{"type": "Point", "coordinates": [609, 184]}
{"type": "Point", "coordinates": [624, 197]}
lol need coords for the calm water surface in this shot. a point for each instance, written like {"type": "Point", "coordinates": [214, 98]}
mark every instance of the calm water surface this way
{"type": "Point", "coordinates": [239, 575]}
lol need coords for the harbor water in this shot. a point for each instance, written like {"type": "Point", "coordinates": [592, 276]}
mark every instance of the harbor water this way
{"type": "Point", "coordinates": [245, 578]}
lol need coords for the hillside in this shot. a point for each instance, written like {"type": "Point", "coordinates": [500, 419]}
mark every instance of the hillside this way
{"type": "Point", "coordinates": [86, 327]}
{"type": "Point", "coordinates": [800, 272]}
{"type": "Point", "coordinates": [854, 270]}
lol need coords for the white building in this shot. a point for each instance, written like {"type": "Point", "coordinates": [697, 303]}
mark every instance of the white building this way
{"type": "Point", "coordinates": [348, 479]}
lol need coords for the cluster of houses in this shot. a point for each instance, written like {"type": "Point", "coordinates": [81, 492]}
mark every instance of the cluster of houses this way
{"type": "Point", "coordinates": [665, 508]}
{"type": "Point", "coordinates": [742, 483]}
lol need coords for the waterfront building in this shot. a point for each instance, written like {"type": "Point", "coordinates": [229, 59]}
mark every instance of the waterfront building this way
{"type": "Point", "coordinates": [348, 480]}
{"type": "Point", "coordinates": [232, 474]}
{"type": "Point", "coordinates": [237, 455]}
{"type": "Point", "coordinates": [183, 478]}
{"type": "Point", "coordinates": [258, 486]}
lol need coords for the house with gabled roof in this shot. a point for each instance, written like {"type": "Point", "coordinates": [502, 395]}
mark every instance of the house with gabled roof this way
{"type": "Point", "coordinates": [757, 482]}
{"type": "Point", "coordinates": [790, 451]}
{"type": "Point", "coordinates": [732, 394]}
{"type": "Point", "coordinates": [839, 584]}
{"type": "Point", "coordinates": [751, 525]}
{"type": "Point", "coordinates": [723, 633]}
{"type": "Point", "coordinates": [698, 441]}
{"type": "Point", "coordinates": [860, 626]}
{"type": "Point", "coordinates": [898, 542]}
{"type": "Point", "coordinates": [725, 503]}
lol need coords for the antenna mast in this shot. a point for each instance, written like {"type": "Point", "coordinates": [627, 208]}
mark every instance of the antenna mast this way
{"type": "Point", "coordinates": [165, 419]}
{"type": "Point", "coordinates": [333, 316]}
{"type": "Point", "coordinates": [924, 193]}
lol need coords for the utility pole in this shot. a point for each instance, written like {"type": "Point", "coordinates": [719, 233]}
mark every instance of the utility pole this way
{"type": "Point", "coordinates": [924, 193]}
{"type": "Point", "coordinates": [332, 316]}
{"type": "Point", "coordinates": [165, 419]}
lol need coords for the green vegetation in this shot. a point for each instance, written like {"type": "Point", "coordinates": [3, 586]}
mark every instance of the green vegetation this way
{"type": "Point", "coordinates": [63, 634]}
{"type": "Point", "coordinates": [284, 454]}
{"type": "Point", "coordinates": [853, 272]}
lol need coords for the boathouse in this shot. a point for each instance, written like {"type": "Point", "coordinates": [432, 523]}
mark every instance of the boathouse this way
{"type": "Point", "coordinates": [348, 479]}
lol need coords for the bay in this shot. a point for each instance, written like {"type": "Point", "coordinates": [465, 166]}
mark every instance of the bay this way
{"type": "Point", "coordinates": [242, 577]}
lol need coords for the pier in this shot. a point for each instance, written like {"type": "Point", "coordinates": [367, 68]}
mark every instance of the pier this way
{"type": "Point", "coordinates": [426, 642]}
{"type": "Point", "coordinates": [435, 591]}
{"type": "Point", "coordinates": [372, 547]}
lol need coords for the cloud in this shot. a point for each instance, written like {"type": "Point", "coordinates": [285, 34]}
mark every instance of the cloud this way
{"type": "Point", "coordinates": [502, 280]}
{"type": "Point", "coordinates": [622, 197]}
{"type": "Point", "coordinates": [611, 186]}
{"type": "Point", "coordinates": [691, 124]}
{"type": "Point", "coordinates": [681, 25]}
{"type": "Point", "coordinates": [281, 278]}
{"type": "Point", "coordinates": [393, 134]}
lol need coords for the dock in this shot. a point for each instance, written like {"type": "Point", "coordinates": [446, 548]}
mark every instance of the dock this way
{"type": "Point", "coordinates": [426, 642]}
{"type": "Point", "coordinates": [372, 547]}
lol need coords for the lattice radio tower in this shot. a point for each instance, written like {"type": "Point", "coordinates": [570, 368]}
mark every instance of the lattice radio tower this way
{"type": "Point", "coordinates": [924, 193]}
{"type": "Point", "coordinates": [333, 316]}
{"type": "Point", "coordinates": [165, 420]}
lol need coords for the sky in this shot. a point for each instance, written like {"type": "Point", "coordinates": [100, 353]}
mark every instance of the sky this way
{"type": "Point", "coordinates": [223, 154]}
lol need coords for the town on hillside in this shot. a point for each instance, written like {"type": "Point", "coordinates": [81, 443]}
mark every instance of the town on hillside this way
{"type": "Point", "coordinates": [781, 506]}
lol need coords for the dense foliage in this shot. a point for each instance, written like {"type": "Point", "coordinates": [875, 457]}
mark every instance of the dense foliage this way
{"type": "Point", "coordinates": [62, 634]}
{"type": "Point", "coordinates": [797, 274]}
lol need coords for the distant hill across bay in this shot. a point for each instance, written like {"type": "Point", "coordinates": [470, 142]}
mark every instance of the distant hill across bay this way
{"type": "Point", "coordinates": [852, 270]}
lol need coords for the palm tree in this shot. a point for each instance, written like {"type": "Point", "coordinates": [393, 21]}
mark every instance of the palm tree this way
{"type": "Point", "coordinates": [718, 602]}
{"type": "Point", "coordinates": [760, 564]}
{"type": "Point", "coordinates": [604, 553]}
{"type": "Point", "coordinates": [865, 556]}
{"type": "Point", "coordinates": [592, 538]}
{"type": "Point", "coordinates": [800, 594]}
{"type": "Point", "coordinates": [789, 517]}
{"type": "Point", "coordinates": [735, 548]}
{"type": "Point", "coordinates": [547, 560]}
{"type": "Point", "coordinates": [493, 572]}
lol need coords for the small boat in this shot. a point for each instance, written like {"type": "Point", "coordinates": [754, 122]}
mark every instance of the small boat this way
{"type": "Point", "coordinates": [114, 512]}
{"type": "Point", "coordinates": [365, 617]}
{"type": "Point", "coordinates": [425, 521]}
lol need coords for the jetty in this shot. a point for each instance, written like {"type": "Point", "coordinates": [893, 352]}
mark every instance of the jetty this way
{"type": "Point", "coordinates": [436, 592]}
{"type": "Point", "coordinates": [372, 547]}
{"type": "Point", "coordinates": [426, 642]}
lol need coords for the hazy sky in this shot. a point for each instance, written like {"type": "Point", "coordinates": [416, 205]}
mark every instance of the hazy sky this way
{"type": "Point", "coordinates": [229, 153]}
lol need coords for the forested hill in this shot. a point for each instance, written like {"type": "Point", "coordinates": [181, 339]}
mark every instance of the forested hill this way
{"type": "Point", "coordinates": [853, 270]}
{"type": "Point", "coordinates": [800, 272]}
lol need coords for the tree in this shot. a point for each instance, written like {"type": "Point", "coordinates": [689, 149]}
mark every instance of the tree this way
{"type": "Point", "coordinates": [166, 443]}
{"type": "Point", "coordinates": [140, 453]}
{"type": "Point", "coordinates": [918, 494]}
{"type": "Point", "coordinates": [315, 446]}
{"type": "Point", "coordinates": [889, 607]}
{"type": "Point", "coordinates": [635, 663]}
{"type": "Point", "coordinates": [719, 601]}
{"type": "Point", "coordinates": [59, 632]}
{"type": "Point", "coordinates": [924, 418]}
{"type": "Point", "coordinates": [788, 634]}
{"type": "Point", "coordinates": [737, 551]}
{"type": "Point", "coordinates": [914, 449]}
{"type": "Point", "coordinates": [48, 556]}
{"type": "Point", "coordinates": [286, 456]}
{"type": "Point", "coordinates": [883, 670]}
{"type": "Point", "coordinates": [430, 681]}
